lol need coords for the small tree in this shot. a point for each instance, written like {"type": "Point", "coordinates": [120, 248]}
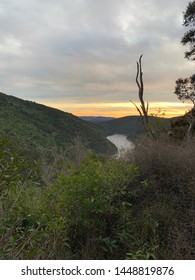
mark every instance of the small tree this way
{"type": "Point", "coordinates": [185, 89]}
{"type": "Point", "coordinates": [143, 110]}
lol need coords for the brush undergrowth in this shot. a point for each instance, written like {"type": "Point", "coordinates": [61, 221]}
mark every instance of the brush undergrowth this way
{"type": "Point", "coordinates": [141, 207]}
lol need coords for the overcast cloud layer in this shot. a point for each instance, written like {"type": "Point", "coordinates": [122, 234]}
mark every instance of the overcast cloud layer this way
{"type": "Point", "coordinates": [85, 51]}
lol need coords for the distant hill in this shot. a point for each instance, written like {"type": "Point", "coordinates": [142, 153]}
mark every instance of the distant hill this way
{"type": "Point", "coordinates": [131, 126]}
{"type": "Point", "coordinates": [39, 126]}
{"type": "Point", "coordinates": [96, 119]}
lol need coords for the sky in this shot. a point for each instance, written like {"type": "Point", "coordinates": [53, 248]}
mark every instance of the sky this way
{"type": "Point", "coordinates": [80, 55]}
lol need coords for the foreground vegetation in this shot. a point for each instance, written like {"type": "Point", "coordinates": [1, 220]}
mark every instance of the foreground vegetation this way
{"type": "Point", "coordinates": [83, 206]}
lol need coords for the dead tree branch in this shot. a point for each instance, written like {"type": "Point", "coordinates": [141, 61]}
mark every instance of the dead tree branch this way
{"type": "Point", "coordinates": [143, 110]}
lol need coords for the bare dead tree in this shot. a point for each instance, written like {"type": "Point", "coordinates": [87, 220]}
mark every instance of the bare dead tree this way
{"type": "Point", "coordinates": [143, 109]}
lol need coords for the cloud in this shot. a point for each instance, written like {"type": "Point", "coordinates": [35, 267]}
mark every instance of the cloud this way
{"type": "Point", "coordinates": [85, 51]}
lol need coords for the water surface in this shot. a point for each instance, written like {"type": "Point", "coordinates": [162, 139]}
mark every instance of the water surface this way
{"type": "Point", "coordinates": [121, 142]}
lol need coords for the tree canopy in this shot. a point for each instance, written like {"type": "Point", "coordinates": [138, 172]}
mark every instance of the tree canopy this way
{"type": "Point", "coordinates": [189, 36]}
{"type": "Point", "coordinates": [185, 89]}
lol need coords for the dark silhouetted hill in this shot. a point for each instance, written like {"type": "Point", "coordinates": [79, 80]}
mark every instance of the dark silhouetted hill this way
{"type": "Point", "coordinates": [130, 126]}
{"type": "Point", "coordinates": [97, 119]}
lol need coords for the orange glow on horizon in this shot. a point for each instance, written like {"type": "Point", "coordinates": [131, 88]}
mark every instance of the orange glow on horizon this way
{"type": "Point", "coordinates": [170, 109]}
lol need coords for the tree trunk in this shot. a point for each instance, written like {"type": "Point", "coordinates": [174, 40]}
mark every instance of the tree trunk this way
{"type": "Point", "coordinates": [143, 110]}
{"type": "Point", "coordinates": [191, 120]}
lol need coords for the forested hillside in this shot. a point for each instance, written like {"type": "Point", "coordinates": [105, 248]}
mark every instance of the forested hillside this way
{"type": "Point", "coordinates": [38, 126]}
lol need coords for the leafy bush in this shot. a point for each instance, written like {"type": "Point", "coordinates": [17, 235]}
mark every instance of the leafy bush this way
{"type": "Point", "coordinates": [85, 215]}
{"type": "Point", "coordinates": [89, 198]}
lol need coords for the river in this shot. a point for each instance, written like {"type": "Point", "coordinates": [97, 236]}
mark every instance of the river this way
{"type": "Point", "coordinates": [121, 142]}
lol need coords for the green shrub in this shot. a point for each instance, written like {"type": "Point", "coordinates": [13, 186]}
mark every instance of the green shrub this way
{"type": "Point", "coordinates": [90, 199]}
{"type": "Point", "coordinates": [85, 215]}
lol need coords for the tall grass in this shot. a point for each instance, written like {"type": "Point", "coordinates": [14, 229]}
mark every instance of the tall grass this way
{"type": "Point", "coordinates": [168, 170]}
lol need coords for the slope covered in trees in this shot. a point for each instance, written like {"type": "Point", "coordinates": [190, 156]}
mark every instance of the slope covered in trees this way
{"type": "Point", "coordinates": [38, 126]}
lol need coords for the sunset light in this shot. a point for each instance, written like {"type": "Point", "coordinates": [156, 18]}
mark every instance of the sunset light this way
{"type": "Point", "coordinates": [166, 109]}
